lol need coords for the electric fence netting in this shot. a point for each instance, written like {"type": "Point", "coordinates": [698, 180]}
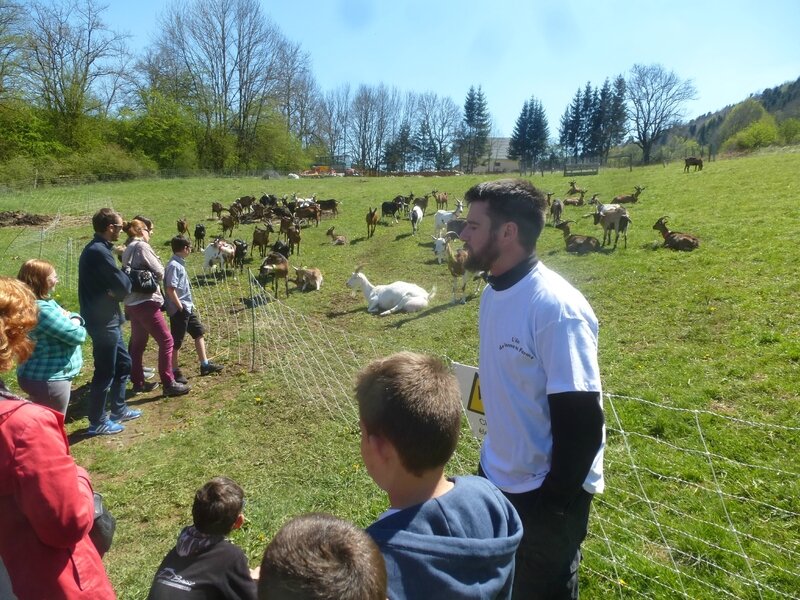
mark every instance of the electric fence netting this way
{"type": "Point", "coordinates": [646, 537]}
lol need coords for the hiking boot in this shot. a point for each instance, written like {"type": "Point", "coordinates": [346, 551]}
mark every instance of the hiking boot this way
{"type": "Point", "coordinates": [209, 368]}
{"type": "Point", "coordinates": [129, 415]}
{"type": "Point", "coordinates": [148, 386]}
{"type": "Point", "coordinates": [176, 389]}
{"type": "Point", "coordinates": [105, 428]}
{"type": "Point", "coordinates": [178, 375]}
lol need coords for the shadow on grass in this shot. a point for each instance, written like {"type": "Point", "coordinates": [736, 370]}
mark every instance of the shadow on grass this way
{"type": "Point", "coordinates": [402, 236]}
{"type": "Point", "coordinates": [343, 313]}
{"type": "Point", "coordinates": [428, 312]}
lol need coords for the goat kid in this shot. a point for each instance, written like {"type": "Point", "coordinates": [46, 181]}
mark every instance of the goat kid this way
{"type": "Point", "coordinates": [336, 240]}
{"type": "Point", "coordinates": [306, 277]}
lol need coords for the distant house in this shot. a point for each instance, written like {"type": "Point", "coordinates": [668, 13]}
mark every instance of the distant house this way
{"type": "Point", "coordinates": [496, 158]}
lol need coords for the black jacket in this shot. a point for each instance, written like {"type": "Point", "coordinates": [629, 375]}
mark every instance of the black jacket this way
{"type": "Point", "coordinates": [101, 285]}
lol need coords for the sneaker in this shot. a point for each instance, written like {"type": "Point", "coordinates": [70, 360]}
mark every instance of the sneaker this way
{"type": "Point", "coordinates": [148, 386]}
{"type": "Point", "coordinates": [176, 389]}
{"type": "Point", "coordinates": [149, 373]}
{"type": "Point", "coordinates": [178, 375]}
{"type": "Point", "coordinates": [209, 368]}
{"type": "Point", "coordinates": [105, 428]}
{"type": "Point", "coordinates": [129, 415]}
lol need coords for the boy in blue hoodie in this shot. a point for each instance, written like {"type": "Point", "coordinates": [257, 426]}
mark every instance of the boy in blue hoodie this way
{"type": "Point", "coordinates": [203, 564]}
{"type": "Point", "coordinates": [449, 537]}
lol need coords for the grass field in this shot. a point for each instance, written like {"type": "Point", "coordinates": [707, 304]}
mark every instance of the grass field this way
{"type": "Point", "coordinates": [700, 356]}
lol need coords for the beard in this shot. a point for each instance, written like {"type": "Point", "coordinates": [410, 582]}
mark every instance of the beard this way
{"type": "Point", "coordinates": [483, 259]}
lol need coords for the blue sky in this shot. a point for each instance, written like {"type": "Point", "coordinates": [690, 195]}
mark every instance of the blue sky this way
{"type": "Point", "coordinates": [517, 49]}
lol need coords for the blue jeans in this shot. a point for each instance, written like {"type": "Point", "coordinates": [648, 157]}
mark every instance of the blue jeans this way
{"type": "Point", "coordinates": [112, 368]}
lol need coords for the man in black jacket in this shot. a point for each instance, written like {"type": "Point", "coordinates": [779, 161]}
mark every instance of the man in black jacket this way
{"type": "Point", "coordinates": [540, 385]}
{"type": "Point", "coordinates": [101, 287]}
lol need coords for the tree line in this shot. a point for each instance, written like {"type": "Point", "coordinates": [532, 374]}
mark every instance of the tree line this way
{"type": "Point", "coordinates": [221, 88]}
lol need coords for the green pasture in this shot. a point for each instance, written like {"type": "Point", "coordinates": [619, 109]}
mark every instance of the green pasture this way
{"type": "Point", "coordinates": [700, 355]}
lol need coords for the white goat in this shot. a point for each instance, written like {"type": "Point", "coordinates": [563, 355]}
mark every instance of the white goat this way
{"type": "Point", "coordinates": [390, 298]}
{"type": "Point", "coordinates": [612, 217]}
{"type": "Point", "coordinates": [218, 253]}
{"type": "Point", "coordinates": [416, 218]}
{"type": "Point", "coordinates": [443, 217]}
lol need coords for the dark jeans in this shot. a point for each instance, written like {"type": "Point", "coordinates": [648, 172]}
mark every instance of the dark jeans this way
{"type": "Point", "coordinates": [112, 368]}
{"type": "Point", "coordinates": [549, 554]}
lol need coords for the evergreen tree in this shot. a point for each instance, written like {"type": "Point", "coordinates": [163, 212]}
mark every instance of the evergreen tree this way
{"type": "Point", "coordinates": [476, 126]}
{"type": "Point", "coordinates": [585, 127]}
{"type": "Point", "coordinates": [618, 118]}
{"type": "Point", "coordinates": [529, 141]}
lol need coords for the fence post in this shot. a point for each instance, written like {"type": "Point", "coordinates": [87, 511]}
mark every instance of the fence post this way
{"type": "Point", "coordinates": [252, 322]}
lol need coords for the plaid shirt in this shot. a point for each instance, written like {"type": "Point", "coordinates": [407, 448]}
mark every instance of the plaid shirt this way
{"type": "Point", "coordinates": [58, 337]}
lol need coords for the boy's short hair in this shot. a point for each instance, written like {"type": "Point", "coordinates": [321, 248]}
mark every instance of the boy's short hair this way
{"type": "Point", "coordinates": [217, 505]}
{"type": "Point", "coordinates": [178, 243]}
{"type": "Point", "coordinates": [413, 400]}
{"type": "Point", "coordinates": [320, 557]}
{"type": "Point", "coordinates": [103, 218]}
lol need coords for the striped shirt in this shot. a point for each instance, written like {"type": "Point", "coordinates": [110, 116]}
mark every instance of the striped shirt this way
{"type": "Point", "coordinates": [58, 337]}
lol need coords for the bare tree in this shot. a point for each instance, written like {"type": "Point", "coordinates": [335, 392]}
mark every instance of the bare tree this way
{"type": "Point", "coordinates": [332, 120]}
{"type": "Point", "coordinates": [73, 62]}
{"type": "Point", "coordinates": [10, 42]}
{"type": "Point", "coordinates": [656, 100]}
{"type": "Point", "coordinates": [230, 53]}
{"type": "Point", "coordinates": [439, 125]}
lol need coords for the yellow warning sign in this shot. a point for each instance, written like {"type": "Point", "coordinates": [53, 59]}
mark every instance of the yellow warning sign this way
{"type": "Point", "coordinates": [475, 403]}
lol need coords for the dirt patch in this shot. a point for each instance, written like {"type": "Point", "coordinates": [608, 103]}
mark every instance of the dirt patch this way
{"type": "Point", "coordinates": [9, 218]}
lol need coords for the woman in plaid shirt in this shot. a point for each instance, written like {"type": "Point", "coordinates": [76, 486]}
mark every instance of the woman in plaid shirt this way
{"type": "Point", "coordinates": [57, 358]}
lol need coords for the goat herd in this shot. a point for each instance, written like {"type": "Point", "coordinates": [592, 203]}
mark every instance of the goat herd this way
{"type": "Point", "coordinates": [289, 216]}
{"type": "Point", "coordinates": [612, 217]}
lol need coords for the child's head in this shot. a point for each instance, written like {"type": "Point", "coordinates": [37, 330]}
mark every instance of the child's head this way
{"type": "Point", "coordinates": [320, 557]}
{"type": "Point", "coordinates": [413, 401]}
{"type": "Point", "coordinates": [179, 244]}
{"type": "Point", "coordinates": [217, 507]}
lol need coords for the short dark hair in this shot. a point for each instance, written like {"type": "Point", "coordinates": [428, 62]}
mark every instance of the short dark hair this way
{"type": "Point", "coordinates": [515, 200]}
{"type": "Point", "coordinates": [178, 243]}
{"type": "Point", "coordinates": [217, 505]}
{"type": "Point", "coordinates": [413, 400]}
{"type": "Point", "coordinates": [320, 557]}
{"type": "Point", "coordinates": [103, 218]}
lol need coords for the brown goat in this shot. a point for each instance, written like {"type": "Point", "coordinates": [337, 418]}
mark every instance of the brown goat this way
{"type": "Point", "coordinates": [293, 238]}
{"type": "Point", "coordinates": [183, 228]}
{"type": "Point", "coordinates": [441, 199]}
{"type": "Point", "coordinates": [629, 199]}
{"type": "Point", "coordinates": [581, 244]}
{"type": "Point", "coordinates": [422, 202]}
{"type": "Point", "coordinates": [675, 239]}
{"type": "Point", "coordinates": [228, 223]}
{"type": "Point", "coordinates": [261, 239]}
{"type": "Point", "coordinates": [372, 221]}
{"type": "Point", "coordinates": [575, 201]}
{"type": "Point", "coordinates": [336, 240]}
{"type": "Point", "coordinates": [216, 209]}
{"type": "Point", "coordinates": [692, 161]}
{"type": "Point", "coordinates": [573, 189]}
{"type": "Point", "coordinates": [277, 265]}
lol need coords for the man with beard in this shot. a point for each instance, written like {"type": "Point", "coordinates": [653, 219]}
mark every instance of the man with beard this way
{"type": "Point", "coordinates": [101, 287]}
{"type": "Point", "coordinates": [540, 384]}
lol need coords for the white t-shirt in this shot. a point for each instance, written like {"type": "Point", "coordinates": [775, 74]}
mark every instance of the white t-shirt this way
{"type": "Point", "coordinates": [538, 337]}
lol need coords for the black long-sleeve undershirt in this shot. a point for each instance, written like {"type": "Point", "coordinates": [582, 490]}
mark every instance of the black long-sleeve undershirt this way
{"type": "Point", "coordinates": [576, 422]}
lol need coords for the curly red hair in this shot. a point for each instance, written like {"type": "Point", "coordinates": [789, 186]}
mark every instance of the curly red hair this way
{"type": "Point", "coordinates": [19, 313]}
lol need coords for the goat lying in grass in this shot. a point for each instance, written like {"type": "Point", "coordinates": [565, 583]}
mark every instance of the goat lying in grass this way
{"type": "Point", "coordinates": [390, 298]}
{"type": "Point", "coordinates": [575, 201]}
{"type": "Point", "coordinates": [336, 240]}
{"type": "Point", "coordinates": [306, 277]}
{"type": "Point", "coordinates": [675, 239]}
{"type": "Point", "coordinates": [633, 198]}
{"type": "Point", "coordinates": [581, 244]}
